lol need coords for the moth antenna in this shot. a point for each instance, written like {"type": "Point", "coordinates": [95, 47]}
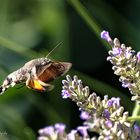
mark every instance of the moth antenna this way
{"type": "Point", "coordinates": [54, 49]}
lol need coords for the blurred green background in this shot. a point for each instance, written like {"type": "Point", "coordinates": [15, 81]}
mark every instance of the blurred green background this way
{"type": "Point", "coordinates": [31, 28]}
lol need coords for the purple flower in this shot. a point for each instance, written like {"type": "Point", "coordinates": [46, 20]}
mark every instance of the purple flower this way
{"type": "Point", "coordinates": [113, 100]}
{"type": "Point", "coordinates": [138, 56]}
{"type": "Point", "coordinates": [117, 51]}
{"type": "Point", "coordinates": [137, 129]}
{"type": "Point", "coordinates": [60, 127]}
{"type": "Point", "coordinates": [105, 35]}
{"type": "Point", "coordinates": [84, 115]}
{"type": "Point", "coordinates": [128, 53]}
{"type": "Point", "coordinates": [106, 114]}
{"type": "Point", "coordinates": [109, 124]}
{"type": "Point", "coordinates": [126, 85]}
{"type": "Point", "coordinates": [83, 130]}
{"type": "Point", "coordinates": [49, 130]}
{"type": "Point", "coordinates": [65, 94]}
{"type": "Point", "coordinates": [71, 135]}
{"type": "Point", "coordinates": [107, 138]}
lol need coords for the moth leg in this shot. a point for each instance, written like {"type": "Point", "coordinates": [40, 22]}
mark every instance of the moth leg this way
{"type": "Point", "coordinates": [46, 85]}
{"type": "Point", "coordinates": [28, 81]}
{"type": "Point", "coordinates": [43, 84]}
{"type": "Point", "coordinates": [49, 87]}
{"type": "Point", "coordinates": [34, 72]}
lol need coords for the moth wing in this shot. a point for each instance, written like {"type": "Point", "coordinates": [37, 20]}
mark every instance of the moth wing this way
{"type": "Point", "coordinates": [45, 73]}
{"type": "Point", "coordinates": [66, 66]}
{"type": "Point", "coordinates": [39, 70]}
{"type": "Point", "coordinates": [54, 68]}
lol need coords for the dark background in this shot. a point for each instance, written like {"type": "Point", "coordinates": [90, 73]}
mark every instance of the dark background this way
{"type": "Point", "coordinates": [31, 28]}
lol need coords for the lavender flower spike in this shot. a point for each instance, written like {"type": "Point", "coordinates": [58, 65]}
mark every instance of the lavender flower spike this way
{"type": "Point", "coordinates": [126, 64]}
{"type": "Point", "coordinates": [105, 117]}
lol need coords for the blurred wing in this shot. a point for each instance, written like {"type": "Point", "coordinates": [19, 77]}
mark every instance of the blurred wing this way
{"type": "Point", "coordinates": [66, 66]}
{"type": "Point", "coordinates": [49, 73]}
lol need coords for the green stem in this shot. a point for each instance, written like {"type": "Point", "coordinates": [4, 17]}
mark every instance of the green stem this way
{"type": "Point", "coordinates": [136, 118]}
{"type": "Point", "coordinates": [91, 22]}
{"type": "Point", "coordinates": [16, 47]}
{"type": "Point", "coordinates": [136, 110]}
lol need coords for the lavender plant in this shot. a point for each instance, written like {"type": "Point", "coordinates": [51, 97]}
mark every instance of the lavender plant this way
{"type": "Point", "coordinates": [126, 64]}
{"type": "Point", "coordinates": [106, 117]}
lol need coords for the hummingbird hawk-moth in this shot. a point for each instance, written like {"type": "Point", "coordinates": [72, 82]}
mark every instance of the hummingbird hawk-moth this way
{"type": "Point", "coordinates": [36, 74]}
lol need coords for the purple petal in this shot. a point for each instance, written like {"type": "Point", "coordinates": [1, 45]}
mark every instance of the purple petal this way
{"type": "Point", "coordinates": [109, 124]}
{"type": "Point", "coordinates": [105, 35]}
{"type": "Point", "coordinates": [138, 56]}
{"type": "Point", "coordinates": [106, 114]}
{"type": "Point", "coordinates": [60, 127]}
{"type": "Point", "coordinates": [117, 51]}
{"type": "Point", "coordinates": [83, 130]}
{"type": "Point", "coordinates": [126, 85]}
{"type": "Point", "coordinates": [84, 115]}
{"type": "Point", "coordinates": [49, 130]}
{"type": "Point", "coordinates": [113, 100]}
{"type": "Point", "coordinates": [107, 138]}
{"type": "Point", "coordinates": [65, 94]}
{"type": "Point", "coordinates": [71, 135]}
{"type": "Point", "coordinates": [137, 129]}
{"type": "Point", "coordinates": [128, 53]}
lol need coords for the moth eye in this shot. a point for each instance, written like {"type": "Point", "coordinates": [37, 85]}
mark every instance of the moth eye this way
{"type": "Point", "coordinates": [43, 62]}
{"type": "Point", "coordinates": [46, 61]}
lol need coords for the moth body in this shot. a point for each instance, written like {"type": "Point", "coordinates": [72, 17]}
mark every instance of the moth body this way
{"type": "Point", "coordinates": [36, 74]}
